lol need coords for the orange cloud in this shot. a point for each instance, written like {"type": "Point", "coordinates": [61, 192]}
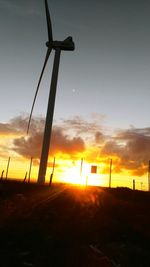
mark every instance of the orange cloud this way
{"type": "Point", "coordinates": [132, 149]}
{"type": "Point", "coordinates": [128, 148]}
{"type": "Point", "coordinates": [61, 143]}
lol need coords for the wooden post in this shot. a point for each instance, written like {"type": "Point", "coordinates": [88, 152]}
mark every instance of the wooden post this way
{"type": "Point", "coordinates": [7, 168]}
{"type": "Point", "coordinates": [110, 172]}
{"type": "Point", "coordinates": [133, 185]}
{"type": "Point", "coordinates": [2, 174]}
{"type": "Point", "coordinates": [51, 176]}
{"type": "Point", "coordinates": [25, 178]}
{"type": "Point", "coordinates": [30, 169]}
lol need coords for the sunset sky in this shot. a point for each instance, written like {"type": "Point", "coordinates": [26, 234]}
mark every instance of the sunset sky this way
{"type": "Point", "coordinates": [103, 94]}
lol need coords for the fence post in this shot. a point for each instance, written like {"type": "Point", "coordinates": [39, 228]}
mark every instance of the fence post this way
{"type": "Point", "coordinates": [110, 172]}
{"type": "Point", "coordinates": [30, 169]}
{"type": "Point", "coordinates": [7, 168]}
{"type": "Point", "coordinates": [133, 184]}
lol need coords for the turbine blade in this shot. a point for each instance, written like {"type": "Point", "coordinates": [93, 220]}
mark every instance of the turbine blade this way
{"type": "Point", "coordinates": [49, 24]}
{"type": "Point", "coordinates": [37, 89]}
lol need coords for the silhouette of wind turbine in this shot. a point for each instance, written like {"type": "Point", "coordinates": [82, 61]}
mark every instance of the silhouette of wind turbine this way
{"type": "Point", "coordinates": [58, 46]}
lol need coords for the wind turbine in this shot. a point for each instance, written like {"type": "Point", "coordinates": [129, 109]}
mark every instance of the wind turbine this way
{"type": "Point", "coordinates": [57, 46]}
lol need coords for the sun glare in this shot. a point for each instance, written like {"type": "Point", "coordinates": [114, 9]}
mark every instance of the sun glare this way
{"type": "Point", "coordinates": [82, 176]}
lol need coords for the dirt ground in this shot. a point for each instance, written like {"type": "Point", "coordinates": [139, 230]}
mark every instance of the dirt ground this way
{"type": "Point", "coordinates": [70, 226]}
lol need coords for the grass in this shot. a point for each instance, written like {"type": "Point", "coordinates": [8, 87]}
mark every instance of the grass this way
{"type": "Point", "coordinates": [71, 226]}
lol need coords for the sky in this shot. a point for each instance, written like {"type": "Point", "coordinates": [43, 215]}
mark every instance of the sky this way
{"type": "Point", "coordinates": [102, 103]}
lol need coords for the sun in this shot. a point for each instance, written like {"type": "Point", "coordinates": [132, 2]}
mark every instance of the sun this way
{"type": "Point", "coordinates": [82, 177]}
{"type": "Point", "coordinates": [73, 176]}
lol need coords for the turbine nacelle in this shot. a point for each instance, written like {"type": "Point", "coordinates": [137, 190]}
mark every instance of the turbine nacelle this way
{"type": "Point", "coordinates": [66, 45]}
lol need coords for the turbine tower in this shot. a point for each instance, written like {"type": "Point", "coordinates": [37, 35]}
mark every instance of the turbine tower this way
{"type": "Point", "coordinates": [57, 46]}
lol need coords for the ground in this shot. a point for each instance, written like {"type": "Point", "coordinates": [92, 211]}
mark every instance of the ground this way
{"type": "Point", "coordinates": [70, 226]}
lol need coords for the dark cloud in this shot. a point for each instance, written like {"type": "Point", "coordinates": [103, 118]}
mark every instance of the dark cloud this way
{"type": "Point", "coordinates": [63, 143]}
{"type": "Point", "coordinates": [99, 137]}
{"type": "Point", "coordinates": [82, 126]}
{"type": "Point", "coordinates": [28, 146]}
{"type": "Point", "coordinates": [12, 127]}
{"type": "Point", "coordinates": [18, 125]}
{"type": "Point", "coordinates": [111, 148]}
{"type": "Point", "coordinates": [7, 129]}
{"type": "Point", "coordinates": [132, 149]}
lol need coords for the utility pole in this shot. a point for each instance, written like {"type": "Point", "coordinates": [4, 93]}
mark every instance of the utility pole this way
{"type": "Point", "coordinates": [149, 176]}
{"type": "Point", "coordinates": [30, 169]}
{"type": "Point", "coordinates": [110, 172]}
{"type": "Point", "coordinates": [7, 168]}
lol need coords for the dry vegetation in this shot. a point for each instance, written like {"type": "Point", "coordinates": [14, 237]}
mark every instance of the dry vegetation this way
{"type": "Point", "coordinates": [70, 226]}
